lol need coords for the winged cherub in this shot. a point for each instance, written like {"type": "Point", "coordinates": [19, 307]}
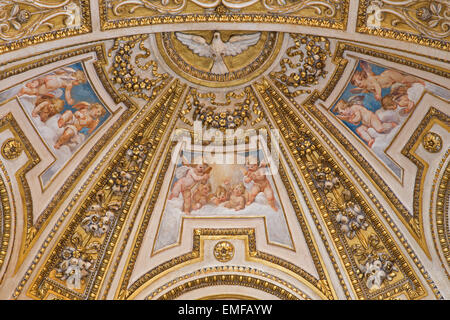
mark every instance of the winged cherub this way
{"type": "Point", "coordinates": [218, 49]}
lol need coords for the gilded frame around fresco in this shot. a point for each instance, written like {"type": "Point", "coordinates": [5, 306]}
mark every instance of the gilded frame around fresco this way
{"type": "Point", "coordinates": [36, 38]}
{"type": "Point", "coordinates": [33, 230]}
{"type": "Point", "coordinates": [414, 36]}
{"type": "Point", "coordinates": [413, 222]}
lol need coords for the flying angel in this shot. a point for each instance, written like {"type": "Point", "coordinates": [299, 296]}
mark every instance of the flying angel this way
{"type": "Point", "coordinates": [218, 49]}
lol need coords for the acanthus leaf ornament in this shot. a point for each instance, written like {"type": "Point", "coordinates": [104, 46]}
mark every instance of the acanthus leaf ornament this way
{"type": "Point", "coordinates": [430, 18]}
{"type": "Point", "coordinates": [432, 142]}
{"type": "Point", "coordinates": [303, 65]}
{"type": "Point", "coordinates": [19, 19]}
{"type": "Point", "coordinates": [11, 149]}
{"type": "Point", "coordinates": [162, 6]}
{"type": "Point", "coordinates": [327, 7]}
{"type": "Point", "coordinates": [377, 268]}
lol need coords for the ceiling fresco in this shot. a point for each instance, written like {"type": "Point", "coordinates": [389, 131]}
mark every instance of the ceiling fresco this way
{"type": "Point", "coordinates": [204, 149]}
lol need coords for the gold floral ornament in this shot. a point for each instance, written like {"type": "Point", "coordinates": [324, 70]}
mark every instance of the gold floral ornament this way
{"type": "Point", "coordinates": [224, 251]}
{"type": "Point", "coordinates": [377, 269]}
{"type": "Point", "coordinates": [121, 7]}
{"type": "Point", "coordinates": [11, 149]}
{"type": "Point", "coordinates": [432, 142]}
{"type": "Point", "coordinates": [19, 19]}
{"type": "Point", "coordinates": [235, 112]}
{"type": "Point", "coordinates": [303, 66]}
{"type": "Point", "coordinates": [116, 14]}
{"type": "Point", "coordinates": [125, 72]}
{"type": "Point", "coordinates": [423, 21]}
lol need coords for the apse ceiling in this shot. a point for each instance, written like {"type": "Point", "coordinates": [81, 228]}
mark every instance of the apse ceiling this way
{"type": "Point", "coordinates": [206, 149]}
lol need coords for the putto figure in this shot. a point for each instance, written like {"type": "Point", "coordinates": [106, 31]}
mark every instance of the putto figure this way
{"type": "Point", "coordinates": [354, 112]}
{"type": "Point", "coordinates": [367, 81]}
{"type": "Point", "coordinates": [256, 172]}
{"type": "Point", "coordinates": [63, 78]}
{"type": "Point", "coordinates": [47, 106]}
{"type": "Point", "coordinates": [87, 116]}
{"type": "Point", "coordinates": [188, 176]}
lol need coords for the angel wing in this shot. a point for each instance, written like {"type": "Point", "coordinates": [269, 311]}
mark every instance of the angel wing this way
{"type": "Point", "coordinates": [366, 67]}
{"type": "Point", "coordinates": [57, 93]}
{"type": "Point", "coordinates": [356, 99]}
{"type": "Point", "coordinates": [197, 44]}
{"type": "Point", "coordinates": [82, 105]}
{"type": "Point", "coordinates": [65, 73]}
{"type": "Point", "coordinates": [237, 44]}
{"type": "Point", "coordinates": [358, 90]}
{"type": "Point", "coordinates": [181, 172]}
{"type": "Point", "coordinates": [65, 70]}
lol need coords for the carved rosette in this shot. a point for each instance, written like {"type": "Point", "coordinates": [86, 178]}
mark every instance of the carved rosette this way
{"type": "Point", "coordinates": [432, 142]}
{"type": "Point", "coordinates": [224, 251]}
{"type": "Point", "coordinates": [11, 149]}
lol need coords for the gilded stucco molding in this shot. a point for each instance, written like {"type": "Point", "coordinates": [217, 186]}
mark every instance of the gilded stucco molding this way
{"type": "Point", "coordinates": [422, 22]}
{"type": "Point", "coordinates": [252, 254]}
{"type": "Point", "coordinates": [229, 280]}
{"type": "Point", "coordinates": [322, 284]}
{"type": "Point", "coordinates": [412, 221]}
{"type": "Point", "coordinates": [84, 242]}
{"type": "Point", "coordinates": [432, 116]}
{"type": "Point", "coordinates": [33, 230]}
{"type": "Point", "coordinates": [440, 218]}
{"type": "Point", "coordinates": [26, 23]}
{"type": "Point", "coordinates": [123, 13]}
{"type": "Point", "coordinates": [5, 222]}
{"type": "Point", "coordinates": [359, 236]}
{"type": "Point", "coordinates": [8, 122]}
{"type": "Point", "coordinates": [222, 276]}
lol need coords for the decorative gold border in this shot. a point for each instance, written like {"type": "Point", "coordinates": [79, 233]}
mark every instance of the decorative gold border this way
{"type": "Point", "coordinates": [255, 70]}
{"type": "Point", "coordinates": [123, 292]}
{"type": "Point", "coordinates": [33, 230]}
{"type": "Point", "coordinates": [155, 121]}
{"type": "Point", "coordinates": [309, 105]}
{"type": "Point", "coordinates": [281, 112]}
{"type": "Point", "coordinates": [107, 24]}
{"type": "Point", "coordinates": [433, 116]}
{"type": "Point", "coordinates": [8, 122]}
{"type": "Point", "coordinates": [251, 254]}
{"type": "Point", "coordinates": [395, 34]}
{"type": "Point", "coordinates": [442, 189]}
{"type": "Point", "coordinates": [229, 280]}
{"type": "Point", "coordinates": [5, 221]}
{"type": "Point", "coordinates": [86, 27]}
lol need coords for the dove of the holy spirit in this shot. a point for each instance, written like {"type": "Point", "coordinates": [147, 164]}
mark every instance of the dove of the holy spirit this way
{"type": "Point", "coordinates": [218, 49]}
